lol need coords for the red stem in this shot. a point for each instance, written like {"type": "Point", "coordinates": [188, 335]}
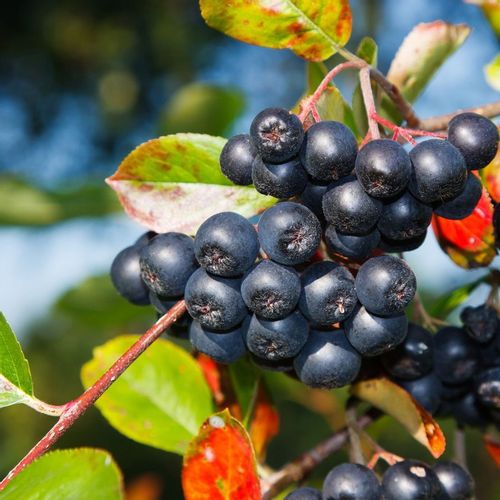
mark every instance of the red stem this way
{"type": "Point", "coordinates": [74, 409]}
{"type": "Point", "coordinates": [371, 110]}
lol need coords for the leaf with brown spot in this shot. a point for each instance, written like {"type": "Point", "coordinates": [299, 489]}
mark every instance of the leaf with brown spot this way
{"type": "Point", "coordinates": [174, 183]}
{"type": "Point", "coordinates": [493, 449]}
{"type": "Point", "coordinates": [220, 463]}
{"type": "Point", "coordinates": [313, 29]}
{"type": "Point", "coordinates": [396, 402]}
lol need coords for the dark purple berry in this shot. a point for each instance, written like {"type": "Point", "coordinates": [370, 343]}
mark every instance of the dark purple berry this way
{"type": "Point", "coordinates": [455, 480]}
{"type": "Point", "coordinates": [236, 160]}
{"type": "Point", "coordinates": [427, 390]}
{"type": "Point", "coordinates": [462, 205]}
{"type": "Point", "coordinates": [126, 276]}
{"type": "Point", "coordinates": [350, 246]}
{"type": "Point", "coordinates": [351, 482]}
{"type": "Point", "coordinates": [480, 322]}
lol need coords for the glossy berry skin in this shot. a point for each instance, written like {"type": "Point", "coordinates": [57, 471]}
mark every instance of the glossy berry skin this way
{"type": "Point", "coordinates": [349, 209]}
{"type": "Point", "coordinates": [215, 302]}
{"type": "Point", "coordinates": [350, 246]}
{"type": "Point", "coordinates": [456, 355]}
{"type": "Point", "coordinates": [279, 339]}
{"type": "Point", "coordinates": [385, 285]}
{"type": "Point", "coordinates": [225, 347]}
{"type": "Point", "coordinates": [328, 294]}
{"type": "Point", "coordinates": [270, 290]}
{"type": "Point", "coordinates": [167, 262]}
{"type": "Point", "coordinates": [411, 480]}
{"type": "Point", "coordinates": [372, 335]}
{"type": "Point", "coordinates": [126, 276]}
{"type": "Point", "coordinates": [414, 357]}
{"type": "Point", "coordinates": [404, 218]}
{"type": "Point", "coordinates": [226, 244]}
{"type": "Point", "coordinates": [281, 180]}
{"type": "Point", "coordinates": [480, 322]}
{"type": "Point", "coordinates": [236, 160]}
{"type": "Point", "coordinates": [289, 233]}
{"type": "Point", "coordinates": [144, 239]}
{"type": "Point", "coordinates": [454, 392]}
{"type": "Point", "coordinates": [276, 135]}
{"type": "Point", "coordinates": [439, 171]}
{"type": "Point", "coordinates": [329, 151]}
{"type": "Point", "coordinates": [304, 493]}
{"type": "Point", "coordinates": [455, 480]}
{"type": "Point", "coordinates": [469, 411]}
{"type": "Point", "coordinates": [427, 390]}
{"type": "Point", "coordinates": [476, 137]}
{"type": "Point", "coordinates": [487, 387]}
{"type": "Point", "coordinates": [162, 305]}
{"type": "Point", "coordinates": [327, 360]}
{"type": "Point", "coordinates": [280, 365]}
{"type": "Point", "coordinates": [462, 205]}
{"type": "Point", "coordinates": [312, 198]}
{"type": "Point", "coordinates": [353, 482]}
{"type": "Point", "coordinates": [383, 168]}
{"type": "Point", "coordinates": [399, 246]}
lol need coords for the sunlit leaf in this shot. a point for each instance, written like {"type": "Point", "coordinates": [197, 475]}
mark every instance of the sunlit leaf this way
{"type": "Point", "coordinates": [160, 400]}
{"type": "Point", "coordinates": [491, 9]}
{"type": "Point", "coordinates": [220, 463]}
{"type": "Point", "coordinates": [490, 176]}
{"type": "Point", "coordinates": [174, 183]}
{"type": "Point", "coordinates": [421, 54]}
{"type": "Point", "coordinates": [469, 242]}
{"type": "Point", "coordinates": [81, 473]}
{"type": "Point", "coordinates": [492, 72]}
{"type": "Point", "coordinates": [313, 29]}
{"type": "Point", "coordinates": [393, 400]}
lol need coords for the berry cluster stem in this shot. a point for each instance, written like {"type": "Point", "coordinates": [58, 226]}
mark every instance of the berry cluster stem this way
{"type": "Point", "coordinates": [76, 408]}
{"type": "Point", "coordinates": [371, 110]}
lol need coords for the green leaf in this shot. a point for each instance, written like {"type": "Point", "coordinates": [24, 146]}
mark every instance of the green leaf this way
{"type": "Point", "coordinates": [174, 183]}
{"type": "Point", "coordinates": [160, 400]}
{"type": "Point", "coordinates": [245, 380]}
{"type": "Point", "coordinates": [492, 73]}
{"type": "Point", "coordinates": [82, 473]}
{"type": "Point", "coordinates": [201, 108]}
{"type": "Point", "coordinates": [313, 29]}
{"type": "Point", "coordinates": [24, 204]}
{"type": "Point", "coordinates": [421, 54]}
{"type": "Point", "coordinates": [368, 51]}
{"type": "Point", "coordinates": [15, 377]}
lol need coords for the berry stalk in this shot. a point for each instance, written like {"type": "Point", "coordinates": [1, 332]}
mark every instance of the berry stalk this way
{"type": "Point", "coordinates": [76, 408]}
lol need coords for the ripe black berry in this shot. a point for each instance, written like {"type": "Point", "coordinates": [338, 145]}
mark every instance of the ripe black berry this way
{"type": "Point", "coordinates": [167, 262]}
{"type": "Point", "coordinates": [427, 390]}
{"type": "Point", "coordinates": [411, 480]}
{"type": "Point", "coordinates": [413, 358]}
{"type": "Point", "coordinates": [350, 246]}
{"type": "Point", "coordinates": [383, 168]}
{"type": "Point", "coordinates": [372, 335]}
{"type": "Point", "coordinates": [281, 180]}
{"type": "Point", "coordinates": [329, 151]}
{"type": "Point", "coordinates": [469, 411]}
{"type": "Point", "coordinates": [289, 233]}
{"type": "Point", "coordinates": [276, 135]}
{"type": "Point", "coordinates": [226, 244]}
{"type": "Point", "coordinates": [439, 171]}
{"type": "Point", "coordinates": [270, 290]}
{"type": "Point", "coordinates": [456, 354]}
{"type": "Point", "coordinates": [215, 302]}
{"type": "Point", "coordinates": [328, 294]}
{"type": "Point", "coordinates": [349, 209]}
{"type": "Point", "coordinates": [385, 285]}
{"type": "Point", "coordinates": [226, 347]}
{"type": "Point", "coordinates": [280, 365]}
{"type": "Point", "coordinates": [455, 480]}
{"type": "Point", "coordinates": [476, 137]}
{"type": "Point", "coordinates": [312, 198]}
{"type": "Point", "coordinates": [327, 360]}
{"type": "Point", "coordinates": [404, 218]}
{"type": "Point", "coordinates": [279, 339]}
{"type": "Point", "coordinates": [304, 493]}
{"type": "Point", "coordinates": [353, 482]}
{"type": "Point", "coordinates": [236, 160]}
{"type": "Point", "coordinates": [480, 322]}
{"type": "Point", "coordinates": [462, 205]}
{"type": "Point", "coordinates": [144, 239]}
{"type": "Point", "coordinates": [126, 276]}
{"type": "Point", "coordinates": [487, 385]}
{"type": "Point", "coordinates": [399, 246]}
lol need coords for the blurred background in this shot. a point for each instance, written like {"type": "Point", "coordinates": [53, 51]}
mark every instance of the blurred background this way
{"type": "Point", "coordinates": [81, 84]}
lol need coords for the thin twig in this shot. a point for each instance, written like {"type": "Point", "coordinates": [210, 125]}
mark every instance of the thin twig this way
{"type": "Point", "coordinates": [298, 469]}
{"type": "Point", "coordinates": [355, 448]}
{"type": "Point", "coordinates": [371, 110]}
{"type": "Point", "coordinates": [459, 450]}
{"type": "Point", "coordinates": [74, 409]}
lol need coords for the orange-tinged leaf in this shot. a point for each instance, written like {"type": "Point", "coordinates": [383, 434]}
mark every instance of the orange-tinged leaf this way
{"type": "Point", "coordinates": [469, 242]}
{"type": "Point", "coordinates": [313, 29]}
{"type": "Point", "coordinates": [211, 373]}
{"type": "Point", "coordinates": [220, 462]}
{"type": "Point", "coordinates": [265, 423]}
{"type": "Point", "coordinates": [396, 402]}
{"type": "Point", "coordinates": [493, 449]}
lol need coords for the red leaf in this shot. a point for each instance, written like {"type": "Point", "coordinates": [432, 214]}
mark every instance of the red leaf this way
{"type": "Point", "coordinates": [220, 462]}
{"type": "Point", "coordinates": [211, 373]}
{"type": "Point", "coordinates": [493, 449]}
{"type": "Point", "coordinates": [469, 242]}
